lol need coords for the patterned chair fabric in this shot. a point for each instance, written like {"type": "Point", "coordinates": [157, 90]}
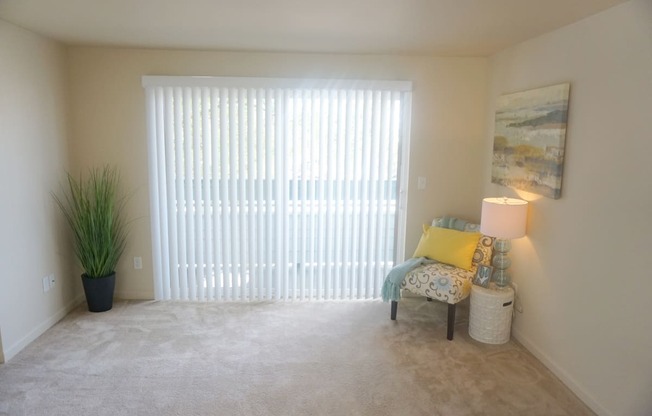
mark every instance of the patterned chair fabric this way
{"type": "Point", "coordinates": [444, 282]}
{"type": "Point", "coordinates": [448, 283]}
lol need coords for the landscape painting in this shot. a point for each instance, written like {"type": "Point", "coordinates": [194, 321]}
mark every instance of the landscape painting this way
{"type": "Point", "coordinates": [529, 140]}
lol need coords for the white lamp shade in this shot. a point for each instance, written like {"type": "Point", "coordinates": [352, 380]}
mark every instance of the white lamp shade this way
{"type": "Point", "coordinates": [503, 217]}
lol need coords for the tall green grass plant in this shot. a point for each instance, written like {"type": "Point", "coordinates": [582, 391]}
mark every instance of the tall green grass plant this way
{"type": "Point", "coordinates": [94, 210]}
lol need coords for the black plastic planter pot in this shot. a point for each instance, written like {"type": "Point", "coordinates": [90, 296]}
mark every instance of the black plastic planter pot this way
{"type": "Point", "coordinates": [99, 292]}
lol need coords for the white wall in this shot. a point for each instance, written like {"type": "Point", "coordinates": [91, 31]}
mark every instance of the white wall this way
{"type": "Point", "coordinates": [583, 271]}
{"type": "Point", "coordinates": [448, 129]}
{"type": "Point", "coordinates": [33, 159]}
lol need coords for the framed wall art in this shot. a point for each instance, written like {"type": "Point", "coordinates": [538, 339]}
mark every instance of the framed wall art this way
{"type": "Point", "coordinates": [530, 138]}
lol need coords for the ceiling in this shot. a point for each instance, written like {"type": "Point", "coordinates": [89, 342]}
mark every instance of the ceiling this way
{"type": "Point", "coordinates": [441, 27]}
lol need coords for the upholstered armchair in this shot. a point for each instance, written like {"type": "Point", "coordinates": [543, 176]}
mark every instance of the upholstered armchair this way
{"type": "Point", "coordinates": [445, 282]}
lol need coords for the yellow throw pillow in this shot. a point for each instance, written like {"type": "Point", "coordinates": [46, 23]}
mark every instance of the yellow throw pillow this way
{"type": "Point", "coordinates": [448, 246]}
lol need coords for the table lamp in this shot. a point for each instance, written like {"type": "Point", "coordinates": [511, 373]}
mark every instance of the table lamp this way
{"type": "Point", "coordinates": [503, 218]}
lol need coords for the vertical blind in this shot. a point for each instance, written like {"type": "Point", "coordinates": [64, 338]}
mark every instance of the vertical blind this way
{"type": "Point", "coordinates": [275, 188]}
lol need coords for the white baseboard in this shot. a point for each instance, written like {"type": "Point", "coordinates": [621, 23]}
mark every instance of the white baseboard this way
{"type": "Point", "coordinates": [14, 349]}
{"type": "Point", "coordinates": [566, 378]}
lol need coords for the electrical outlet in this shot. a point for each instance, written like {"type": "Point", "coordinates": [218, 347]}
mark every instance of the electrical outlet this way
{"type": "Point", "coordinates": [138, 263]}
{"type": "Point", "coordinates": [46, 284]}
{"type": "Point", "coordinates": [518, 306]}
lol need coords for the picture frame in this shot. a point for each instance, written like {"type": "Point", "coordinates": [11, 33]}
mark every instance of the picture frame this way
{"type": "Point", "coordinates": [483, 275]}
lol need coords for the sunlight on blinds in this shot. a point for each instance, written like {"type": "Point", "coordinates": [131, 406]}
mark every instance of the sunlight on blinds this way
{"type": "Point", "coordinates": [274, 188]}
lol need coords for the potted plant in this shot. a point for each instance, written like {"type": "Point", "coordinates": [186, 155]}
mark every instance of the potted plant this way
{"type": "Point", "coordinates": [94, 211]}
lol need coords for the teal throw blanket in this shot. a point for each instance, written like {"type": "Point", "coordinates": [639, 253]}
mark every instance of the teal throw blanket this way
{"type": "Point", "coordinates": [393, 281]}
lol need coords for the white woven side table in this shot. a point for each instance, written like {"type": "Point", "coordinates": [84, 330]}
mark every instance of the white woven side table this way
{"type": "Point", "coordinates": [490, 318]}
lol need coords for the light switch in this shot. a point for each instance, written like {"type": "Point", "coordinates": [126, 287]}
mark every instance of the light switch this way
{"type": "Point", "coordinates": [421, 183]}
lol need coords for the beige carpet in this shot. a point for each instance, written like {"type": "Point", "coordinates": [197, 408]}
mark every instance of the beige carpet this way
{"type": "Point", "coordinates": [327, 358]}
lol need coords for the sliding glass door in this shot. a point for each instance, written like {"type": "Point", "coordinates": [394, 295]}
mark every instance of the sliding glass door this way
{"type": "Point", "coordinates": [276, 188]}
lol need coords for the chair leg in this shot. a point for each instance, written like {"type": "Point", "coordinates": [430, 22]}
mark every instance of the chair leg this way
{"type": "Point", "coordinates": [394, 307]}
{"type": "Point", "coordinates": [451, 321]}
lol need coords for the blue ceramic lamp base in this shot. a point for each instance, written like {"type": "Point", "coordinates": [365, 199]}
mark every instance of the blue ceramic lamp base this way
{"type": "Point", "coordinates": [501, 262]}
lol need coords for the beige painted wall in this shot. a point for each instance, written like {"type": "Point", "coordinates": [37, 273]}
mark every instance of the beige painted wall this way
{"type": "Point", "coordinates": [33, 159]}
{"type": "Point", "coordinates": [448, 129]}
{"type": "Point", "coordinates": [583, 271]}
